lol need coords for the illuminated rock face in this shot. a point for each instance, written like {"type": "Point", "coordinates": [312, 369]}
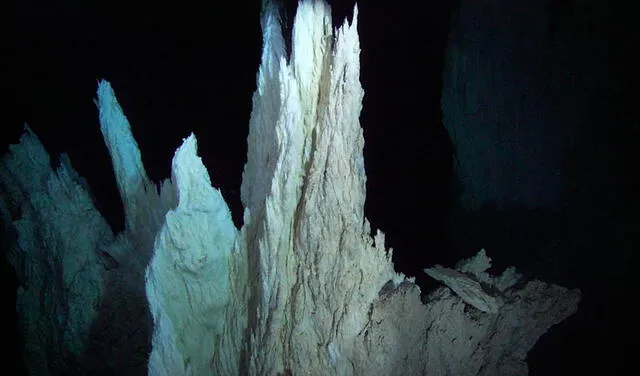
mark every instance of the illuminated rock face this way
{"type": "Point", "coordinates": [301, 289]}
